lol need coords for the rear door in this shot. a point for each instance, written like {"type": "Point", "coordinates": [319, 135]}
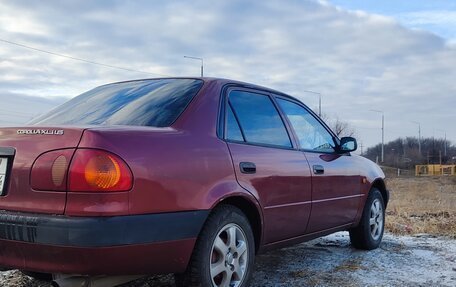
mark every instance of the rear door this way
{"type": "Point", "coordinates": [336, 181]}
{"type": "Point", "coordinates": [267, 163]}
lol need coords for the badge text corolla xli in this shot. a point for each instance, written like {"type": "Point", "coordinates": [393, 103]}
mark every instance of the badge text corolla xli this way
{"type": "Point", "coordinates": [40, 132]}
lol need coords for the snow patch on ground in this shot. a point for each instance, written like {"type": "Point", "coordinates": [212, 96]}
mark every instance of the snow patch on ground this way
{"type": "Point", "coordinates": [331, 261]}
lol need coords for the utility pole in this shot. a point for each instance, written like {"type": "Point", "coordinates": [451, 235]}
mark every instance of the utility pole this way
{"type": "Point", "coordinates": [200, 59]}
{"type": "Point", "coordinates": [445, 146]}
{"type": "Point", "coordinates": [419, 137]}
{"type": "Point", "coordinates": [383, 133]}
{"type": "Point", "coordinates": [444, 143]}
{"type": "Point", "coordinates": [319, 100]}
{"type": "Point", "coordinates": [319, 105]}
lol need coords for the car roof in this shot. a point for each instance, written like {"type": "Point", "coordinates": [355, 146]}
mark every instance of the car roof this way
{"type": "Point", "coordinates": [219, 81]}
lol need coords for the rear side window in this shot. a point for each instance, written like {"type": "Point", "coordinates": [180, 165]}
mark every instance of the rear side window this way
{"type": "Point", "coordinates": [156, 103]}
{"type": "Point", "coordinates": [259, 119]}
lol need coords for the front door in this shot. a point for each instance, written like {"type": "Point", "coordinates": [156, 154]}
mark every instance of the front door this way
{"type": "Point", "coordinates": [336, 184]}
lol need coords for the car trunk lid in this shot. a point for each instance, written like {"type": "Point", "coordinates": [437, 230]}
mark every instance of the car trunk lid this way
{"type": "Point", "coordinates": [19, 148]}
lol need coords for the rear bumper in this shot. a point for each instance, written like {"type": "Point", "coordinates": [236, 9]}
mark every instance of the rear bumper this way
{"type": "Point", "coordinates": [136, 244]}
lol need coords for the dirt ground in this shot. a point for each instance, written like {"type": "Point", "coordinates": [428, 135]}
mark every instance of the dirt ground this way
{"type": "Point", "coordinates": [420, 260]}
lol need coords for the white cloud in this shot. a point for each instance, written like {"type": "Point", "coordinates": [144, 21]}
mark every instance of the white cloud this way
{"type": "Point", "coordinates": [20, 23]}
{"type": "Point", "coordinates": [358, 61]}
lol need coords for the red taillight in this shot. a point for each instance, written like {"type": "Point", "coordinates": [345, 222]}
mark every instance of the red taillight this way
{"type": "Point", "coordinates": [97, 170]}
{"type": "Point", "coordinates": [90, 170]}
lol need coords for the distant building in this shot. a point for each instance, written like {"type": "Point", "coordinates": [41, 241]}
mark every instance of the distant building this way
{"type": "Point", "coordinates": [435, 170]}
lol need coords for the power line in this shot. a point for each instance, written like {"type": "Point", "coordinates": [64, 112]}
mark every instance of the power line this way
{"type": "Point", "coordinates": [79, 59]}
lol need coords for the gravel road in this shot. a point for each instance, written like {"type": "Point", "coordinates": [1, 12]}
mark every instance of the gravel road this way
{"type": "Point", "coordinates": [419, 260]}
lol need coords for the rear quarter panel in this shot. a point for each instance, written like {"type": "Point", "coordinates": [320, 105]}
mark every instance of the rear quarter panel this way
{"type": "Point", "coordinates": [173, 170]}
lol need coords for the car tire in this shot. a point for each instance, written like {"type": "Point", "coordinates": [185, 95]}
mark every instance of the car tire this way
{"type": "Point", "coordinates": [38, 275]}
{"type": "Point", "coordinates": [224, 252]}
{"type": "Point", "coordinates": [369, 233]}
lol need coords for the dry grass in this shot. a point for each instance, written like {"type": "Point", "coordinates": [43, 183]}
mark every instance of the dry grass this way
{"type": "Point", "coordinates": [422, 205]}
{"type": "Point", "coordinates": [350, 265]}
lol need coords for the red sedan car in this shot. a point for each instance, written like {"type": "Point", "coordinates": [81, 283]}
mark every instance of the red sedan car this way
{"type": "Point", "coordinates": [192, 176]}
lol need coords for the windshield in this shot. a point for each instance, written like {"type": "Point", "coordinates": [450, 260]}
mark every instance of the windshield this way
{"type": "Point", "coordinates": [156, 103]}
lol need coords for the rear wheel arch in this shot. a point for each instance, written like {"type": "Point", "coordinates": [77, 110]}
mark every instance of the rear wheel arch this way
{"type": "Point", "coordinates": [252, 213]}
{"type": "Point", "coordinates": [226, 245]}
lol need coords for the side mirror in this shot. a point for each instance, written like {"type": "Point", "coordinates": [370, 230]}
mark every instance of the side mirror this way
{"type": "Point", "coordinates": [347, 144]}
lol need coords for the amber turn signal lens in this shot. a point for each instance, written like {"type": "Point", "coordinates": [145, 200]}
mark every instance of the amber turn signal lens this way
{"type": "Point", "coordinates": [102, 172]}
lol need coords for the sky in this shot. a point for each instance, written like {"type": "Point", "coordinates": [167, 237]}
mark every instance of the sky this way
{"type": "Point", "coordinates": [398, 57]}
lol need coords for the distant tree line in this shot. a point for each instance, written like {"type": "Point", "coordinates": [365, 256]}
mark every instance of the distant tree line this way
{"type": "Point", "coordinates": [405, 152]}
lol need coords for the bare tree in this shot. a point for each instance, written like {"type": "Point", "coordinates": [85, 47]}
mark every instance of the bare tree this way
{"type": "Point", "coordinates": [339, 127]}
{"type": "Point", "coordinates": [342, 129]}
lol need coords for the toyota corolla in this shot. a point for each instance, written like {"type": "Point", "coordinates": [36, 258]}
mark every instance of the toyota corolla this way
{"type": "Point", "coordinates": [192, 176]}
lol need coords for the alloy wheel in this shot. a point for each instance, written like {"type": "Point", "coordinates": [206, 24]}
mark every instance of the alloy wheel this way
{"type": "Point", "coordinates": [376, 219]}
{"type": "Point", "coordinates": [229, 257]}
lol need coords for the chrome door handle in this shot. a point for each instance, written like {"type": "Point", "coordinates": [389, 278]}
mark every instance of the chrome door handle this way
{"type": "Point", "coordinates": [318, 169]}
{"type": "Point", "coordinates": [247, 167]}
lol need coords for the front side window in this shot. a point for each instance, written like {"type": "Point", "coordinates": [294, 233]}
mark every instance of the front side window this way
{"type": "Point", "coordinates": [311, 134]}
{"type": "Point", "coordinates": [259, 119]}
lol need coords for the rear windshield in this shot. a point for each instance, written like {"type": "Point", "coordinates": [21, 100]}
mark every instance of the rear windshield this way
{"type": "Point", "coordinates": [156, 103]}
